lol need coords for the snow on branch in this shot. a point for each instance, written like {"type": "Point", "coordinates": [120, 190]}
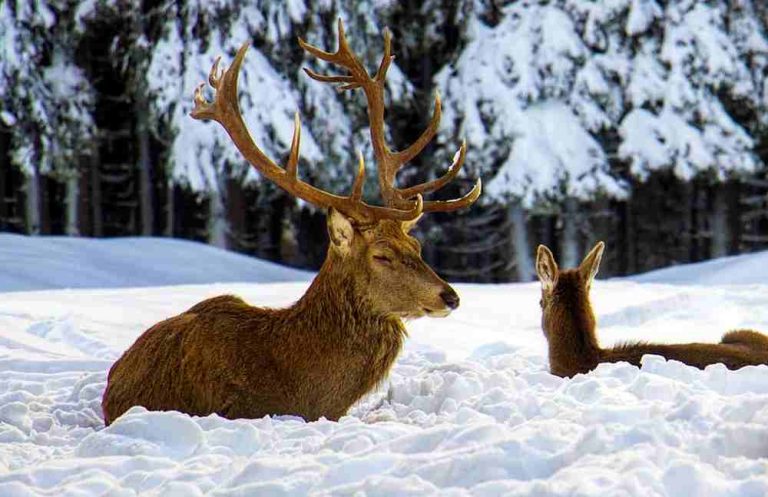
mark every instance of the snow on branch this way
{"type": "Point", "coordinates": [540, 95]}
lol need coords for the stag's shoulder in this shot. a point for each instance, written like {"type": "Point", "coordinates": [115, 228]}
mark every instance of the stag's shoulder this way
{"type": "Point", "coordinates": [222, 303]}
{"type": "Point", "coordinates": [230, 315]}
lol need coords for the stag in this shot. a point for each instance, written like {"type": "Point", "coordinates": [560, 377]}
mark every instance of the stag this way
{"type": "Point", "coordinates": [339, 340]}
{"type": "Point", "coordinates": [569, 327]}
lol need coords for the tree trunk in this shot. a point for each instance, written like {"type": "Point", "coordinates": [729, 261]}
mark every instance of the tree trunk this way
{"type": "Point", "coordinates": [33, 207]}
{"type": "Point", "coordinates": [170, 205]}
{"type": "Point", "coordinates": [146, 203]}
{"type": "Point", "coordinates": [97, 215]}
{"type": "Point", "coordinates": [718, 223]}
{"type": "Point", "coordinates": [629, 252]}
{"type": "Point", "coordinates": [218, 224]}
{"type": "Point", "coordinates": [569, 244]}
{"type": "Point", "coordinates": [688, 230]}
{"type": "Point", "coordinates": [520, 244]}
{"type": "Point", "coordinates": [72, 225]}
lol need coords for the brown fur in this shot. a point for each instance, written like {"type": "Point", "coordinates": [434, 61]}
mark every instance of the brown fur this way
{"type": "Point", "coordinates": [569, 326]}
{"type": "Point", "coordinates": [313, 359]}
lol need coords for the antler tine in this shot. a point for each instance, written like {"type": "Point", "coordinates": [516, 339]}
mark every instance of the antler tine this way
{"type": "Point", "coordinates": [436, 184]}
{"type": "Point", "coordinates": [292, 167]}
{"type": "Point", "coordinates": [328, 78]}
{"type": "Point", "coordinates": [447, 205]}
{"type": "Point", "coordinates": [225, 110]}
{"type": "Point", "coordinates": [407, 155]}
{"type": "Point", "coordinates": [386, 60]}
{"type": "Point", "coordinates": [455, 204]}
{"type": "Point", "coordinates": [357, 186]}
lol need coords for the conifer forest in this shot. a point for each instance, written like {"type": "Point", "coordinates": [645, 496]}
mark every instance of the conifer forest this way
{"type": "Point", "coordinates": [643, 123]}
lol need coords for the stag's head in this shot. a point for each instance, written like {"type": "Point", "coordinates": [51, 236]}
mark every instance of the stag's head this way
{"type": "Point", "coordinates": [372, 241]}
{"type": "Point", "coordinates": [384, 263]}
{"type": "Point", "coordinates": [565, 291]}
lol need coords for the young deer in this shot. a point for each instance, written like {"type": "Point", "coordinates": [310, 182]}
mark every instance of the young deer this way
{"type": "Point", "coordinates": [319, 356]}
{"type": "Point", "coordinates": [569, 327]}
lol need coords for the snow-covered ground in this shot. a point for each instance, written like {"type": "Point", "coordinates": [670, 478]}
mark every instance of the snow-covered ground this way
{"type": "Point", "coordinates": [468, 410]}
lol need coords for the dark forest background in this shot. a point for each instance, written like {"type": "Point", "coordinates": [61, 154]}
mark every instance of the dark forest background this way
{"type": "Point", "coordinates": [113, 179]}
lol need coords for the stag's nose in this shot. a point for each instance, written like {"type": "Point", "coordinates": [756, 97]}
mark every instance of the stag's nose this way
{"type": "Point", "coordinates": [450, 298]}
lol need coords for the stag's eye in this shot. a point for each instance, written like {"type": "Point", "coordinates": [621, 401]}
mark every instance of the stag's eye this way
{"type": "Point", "coordinates": [382, 259]}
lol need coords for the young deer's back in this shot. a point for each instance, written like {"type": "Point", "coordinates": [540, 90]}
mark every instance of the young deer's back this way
{"type": "Point", "coordinates": [700, 355]}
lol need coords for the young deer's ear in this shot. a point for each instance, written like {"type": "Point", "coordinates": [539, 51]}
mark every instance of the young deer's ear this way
{"type": "Point", "coordinates": [407, 226]}
{"type": "Point", "coordinates": [546, 268]}
{"type": "Point", "coordinates": [591, 263]}
{"type": "Point", "coordinates": [340, 231]}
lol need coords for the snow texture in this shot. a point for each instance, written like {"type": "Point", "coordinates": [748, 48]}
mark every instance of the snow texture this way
{"type": "Point", "coordinates": [469, 409]}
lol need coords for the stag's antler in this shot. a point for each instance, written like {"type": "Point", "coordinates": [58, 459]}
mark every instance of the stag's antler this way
{"type": "Point", "coordinates": [226, 111]}
{"type": "Point", "coordinates": [389, 161]}
{"type": "Point", "coordinates": [401, 204]}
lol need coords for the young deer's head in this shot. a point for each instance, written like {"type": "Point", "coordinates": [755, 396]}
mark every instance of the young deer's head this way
{"type": "Point", "coordinates": [370, 242]}
{"type": "Point", "coordinates": [565, 307]}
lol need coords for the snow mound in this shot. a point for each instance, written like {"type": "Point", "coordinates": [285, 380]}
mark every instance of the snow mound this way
{"type": "Point", "coordinates": [468, 410]}
{"type": "Point", "coordinates": [38, 263]}
{"type": "Point", "coordinates": [746, 269]}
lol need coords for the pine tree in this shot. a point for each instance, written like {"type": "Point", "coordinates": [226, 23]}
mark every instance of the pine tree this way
{"type": "Point", "coordinates": [46, 102]}
{"type": "Point", "coordinates": [543, 93]}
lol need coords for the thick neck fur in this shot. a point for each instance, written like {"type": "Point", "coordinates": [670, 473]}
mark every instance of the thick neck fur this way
{"type": "Point", "coordinates": [336, 299]}
{"type": "Point", "coordinates": [569, 325]}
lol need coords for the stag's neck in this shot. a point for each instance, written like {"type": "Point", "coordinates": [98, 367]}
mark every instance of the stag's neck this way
{"type": "Point", "coordinates": [573, 346]}
{"type": "Point", "coordinates": [335, 300]}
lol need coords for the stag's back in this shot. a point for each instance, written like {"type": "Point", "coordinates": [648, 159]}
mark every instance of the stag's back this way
{"type": "Point", "coordinates": [170, 365]}
{"type": "Point", "coordinates": [226, 357]}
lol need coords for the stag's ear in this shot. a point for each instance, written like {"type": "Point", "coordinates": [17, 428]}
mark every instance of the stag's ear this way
{"type": "Point", "coordinates": [591, 263]}
{"type": "Point", "coordinates": [546, 268]}
{"type": "Point", "coordinates": [407, 226]}
{"type": "Point", "coordinates": [340, 231]}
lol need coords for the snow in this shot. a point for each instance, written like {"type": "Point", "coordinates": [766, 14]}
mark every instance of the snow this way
{"type": "Point", "coordinates": [551, 150]}
{"type": "Point", "coordinates": [469, 409]}
{"type": "Point", "coordinates": [34, 263]}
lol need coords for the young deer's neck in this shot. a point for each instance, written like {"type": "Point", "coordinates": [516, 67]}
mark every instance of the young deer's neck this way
{"type": "Point", "coordinates": [570, 325]}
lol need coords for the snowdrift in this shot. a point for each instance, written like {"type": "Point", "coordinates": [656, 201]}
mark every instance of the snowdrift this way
{"type": "Point", "coordinates": [38, 263]}
{"type": "Point", "coordinates": [746, 269]}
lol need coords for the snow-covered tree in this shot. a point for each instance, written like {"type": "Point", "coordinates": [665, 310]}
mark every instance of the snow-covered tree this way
{"type": "Point", "coordinates": [273, 88]}
{"type": "Point", "coordinates": [203, 157]}
{"type": "Point", "coordinates": [45, 100]}
{"type": "Point", "coordinates": [510, 95]}
{"type": "Point", "coordinates": [536, 94]}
